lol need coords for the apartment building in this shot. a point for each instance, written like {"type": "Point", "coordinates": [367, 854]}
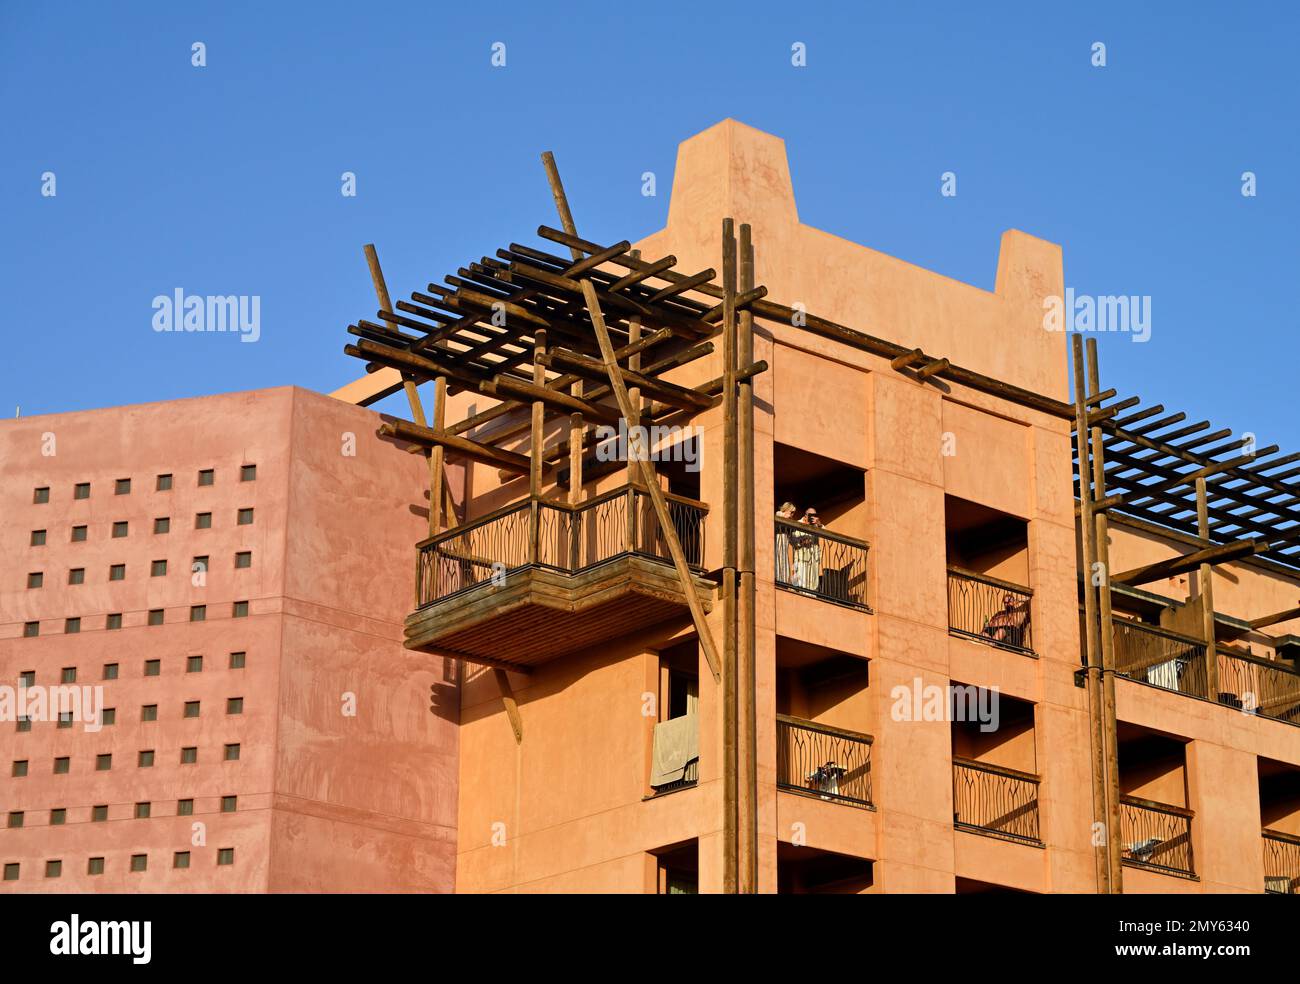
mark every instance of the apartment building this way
{"type": "Point", "coordinates": [921, 716]}
{"type": "Point", "coordinates": [198, 575]}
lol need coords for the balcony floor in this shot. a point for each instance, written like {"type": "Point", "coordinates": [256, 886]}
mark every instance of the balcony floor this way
{"type": "Point", "coordinates": [536, 614]}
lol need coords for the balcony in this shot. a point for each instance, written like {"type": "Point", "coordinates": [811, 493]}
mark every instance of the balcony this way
{"type": "Point", "coordinates": [822, 761]}
{"type": "Point", "coordinates": [1281, 863]}
{"type": "Point", "coordinates": [988, 610]}
{"type": "Point", "coordinates": [1259, 686]}
{"type": "Point", "coordinates": [821, 564]}
{"type": "Point", "coordinates": [1156, 836]}
{"type": "Point", "coordinates": [993, 800]}
{"type": "Point", "coordinates": [536, 579]}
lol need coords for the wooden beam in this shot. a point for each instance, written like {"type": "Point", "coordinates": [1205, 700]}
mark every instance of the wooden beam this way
{"type": "Point", "coordinates": [667, 529]}
{"type": "Point", "coordinates": [580, 365]}
{"type": "Point", "coordinates": [510, 704]}
{"type": "Point", "coordinates": [406, 431]}
{"type": "Point", "coordinates": [504, 387]}
{"type": "Point", "coordinates": [1219, 554]}
{"type": "Point", "coordinates": [1267, 620]}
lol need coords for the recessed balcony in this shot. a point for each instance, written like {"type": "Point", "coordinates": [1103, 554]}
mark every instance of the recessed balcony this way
{"type": "Point", "coordinates": [821, 564]}
{"type": "Point", "coordinates": [989, 610]}
{"type": "Point", "coordinates": [819, 760]}
{"type": "Point", "coordinates": [1157, 836]}
{"type": "Point", "coordinates": [536, 579]}
{"type": "Point", "coordinates": [1281, 863]}
{"type": "Point", "coordinates": [994, 800]}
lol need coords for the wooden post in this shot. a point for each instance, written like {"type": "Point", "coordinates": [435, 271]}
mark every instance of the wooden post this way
{"type": "Point", "coordinates": [1205, 577]}
{"type": "Point", "coordinates": [1087, 533]}
{"type": "Point", "coordinates": [535, 450]}
{"type": "Point", "coordinates": [746, 661]}
{"type": "Point", "coordinates": [437, 484]}
{"type": "Point", "coordinates": [413, 396]}
{"type": "Point", "coordinates": [510, 704]}
{"type": "Point", "coordinates": [1110, 726]}
{"type": "Point", "coordinates": [730, 500]}
{"type": "Point", "coordinates": [619, 389]}
{"type": "Point", "coordinates": [577, 430]}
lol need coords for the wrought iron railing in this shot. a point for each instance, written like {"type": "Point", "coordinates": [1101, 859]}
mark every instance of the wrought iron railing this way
{"type": "Point", "coordinates": [1258, 686]}
{"type": "Point", "coordinates": [818, 562]}
{"type": "Point", "coordinates": [1161, 658]}
{"type": "Point", "coordinates": [831, 763]}
{"type": "Point", "coordinates": [992, 799]}
{"type": "Point", "coordinates": [1281, 863]}
{"type": "Point", "coordinates": [1156, 835]}
{"type": "Point", "coordinates": [557, 536]}
{"type": "Point", "coordinates": [990, 610]}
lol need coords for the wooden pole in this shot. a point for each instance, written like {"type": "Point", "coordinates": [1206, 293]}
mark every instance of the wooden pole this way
{"type": "Point", "coordinates": [535, 446]}
{"type": "Point", "coordinates": [746, 659]}
{"type": "Point", "coordinates": [1205, 579]}
{"type": "Point", "coordinates": [730, 501]}
{"type": "Point", "coordinates": [1088, 534]}
{"type": "Point", "coordinates": [1111, 727]}
{"type": "Point", "coordinates": [698, 615]}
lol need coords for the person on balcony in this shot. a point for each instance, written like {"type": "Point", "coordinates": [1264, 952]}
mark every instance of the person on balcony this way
{"type": "Point", "coordinates": [783, 567]}
{"type": "Point", "coordinates": [808, 553]}
{"type": "Point", "coordinates": [1008, 626]}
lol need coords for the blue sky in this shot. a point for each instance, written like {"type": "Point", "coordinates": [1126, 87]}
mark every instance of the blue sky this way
{"type": "Point", "coordinates": [226, 179]}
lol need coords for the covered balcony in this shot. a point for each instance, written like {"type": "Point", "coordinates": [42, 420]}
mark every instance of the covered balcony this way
{"type": "Point", "coordinates": [992, 799]}
{"type": "Point", "coordinates": [1156, 836]}
{"type": "Point", "coordinates": [823, 761]}
{"type": "Point", "coordinates": [1281, 863]}
{"type": "Point", "coordinates": [533, 580]}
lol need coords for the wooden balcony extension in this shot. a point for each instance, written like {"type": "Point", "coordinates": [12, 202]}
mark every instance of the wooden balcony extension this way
{"type": "Point", "coordinates": [536, 579]}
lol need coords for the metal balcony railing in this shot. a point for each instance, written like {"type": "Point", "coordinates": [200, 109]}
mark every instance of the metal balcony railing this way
{"type": "Point", "coordinates": [995, 800]}
{"type": "Point", "coordinates": [1259, 686]}
{"type": "Point", "coordinates": [831, 763]}
{"type": "Point", "coordinates": [1156, 835]}
{"type": "Point", "coordinates": [1161, 658]}
{"type": "Point", "coordinates": [990, 610]}
{"type": "Point", "coordinates": [556, 536]}
{"type": "Point", "coordinates": [818, 562]}
{"type": "Point", "coordinates": [1281, 863]}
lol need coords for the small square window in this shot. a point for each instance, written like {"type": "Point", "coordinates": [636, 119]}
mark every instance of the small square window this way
{"type": "Point", "coordinates": [58, 816]}
{"type": "Point", "coordinates": [27, 678]}
{"type": "Point", "coordinates": [81, 490]}
{"type": "Point", "coordinates": [181, 859]}
{"type": "Point", "coordinates": [198, 613]}
{"type": "Point", "coordinates": [19, 768]}
{"type": "Point", "coordinates": [95, 866]}
{"type": "Point", "coordinates": [148, 712]}
{"type": "Point", "coordinates": [69, 675]}
{"type": "Point", "coordinates": [191, 708]}
{"type": "Point", "coordinates": [16, 818]}
{"type": "Point", "coordinates": [158, 568]}
{"type": "Point", "coordinates": [31, 629]}
{"type": "Point", "coordinates": [203, 521]}
{"type": "Point", "coordinates": [163, 484]}
{"type": "Point", "coordinates": [162, 524]}
{"type": "Point", "coordinates": [240, 610]}
{"type": "Point", "coordinates": [185, 808]}
{"type": "Point", "coordinates": [104, 762]}
{"type": "Point", "coordinates": [65, 719]}
{"type": "Point", "coordinates": [108, 716]}
{"type": "Point", "coordinates": [120, 529]}
{"type": "Point", "coordinates": [237, 660]}
{"type": "Point", "coordinates": [62, 765]}
{"type": "Point", "coordinates": [122, 486]}
{"type": "Point", "coordinates": [54, 869]}
{"type": "Point", "coordinates": [244, 559]}
{"type": "Point", "coordinates": [99, 814]}
{"type": "Point", "coordinates": [244, 517]}
{"type": "Point", "coordinates": [142, 810]}
{"type": "Point", "coordinates": [77, 575]}
{"type": "Point", "coordinates": [24, 724]}
{"type": "Point", "coordinates": [139, 862]}
{"type": "Point", "coordinates": [155, 616]}
{"type": "Point", "coordinates": [117, 572]}
{"type": "Point", "coordinates": [189, 755]}
{"type": "Point", "coordinates": [79, 534]}
{"type": "Point", "coordinates": [41, 495]}
{"type": "Point", "coordinates": [11, 871]}
{"type": "Point", "coordinates": [194, 664]}
{"type": "Point", "coordinates": [146, 759]}
{"type": "Point", "coordinates": [113, 621]}
{"type": "Point", "coordinates": [199, 565]}
{"type": "Point", "coordinates": [248, 473]}
{"type": "Point", "coordinates": [110, 671]}
{"type": "Point", "coordinates": [225, 855]}
{"type": "Point", "coordinates": [234, 705]}
{"type": "Point", "coordinates": [232, 753]}
{"type": "Point", "coordinates": [35, 579]}
{"type": "Point", "coordinates": [38, 537]}
{"type": "Point", "coordinates": [207, 476]}
{"type": "Point", "coordinates": [152, 667]}
{"type": "Point", "coordinates": [229, 803]}
{"type": "Point", "coordinates": [72, 626]}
